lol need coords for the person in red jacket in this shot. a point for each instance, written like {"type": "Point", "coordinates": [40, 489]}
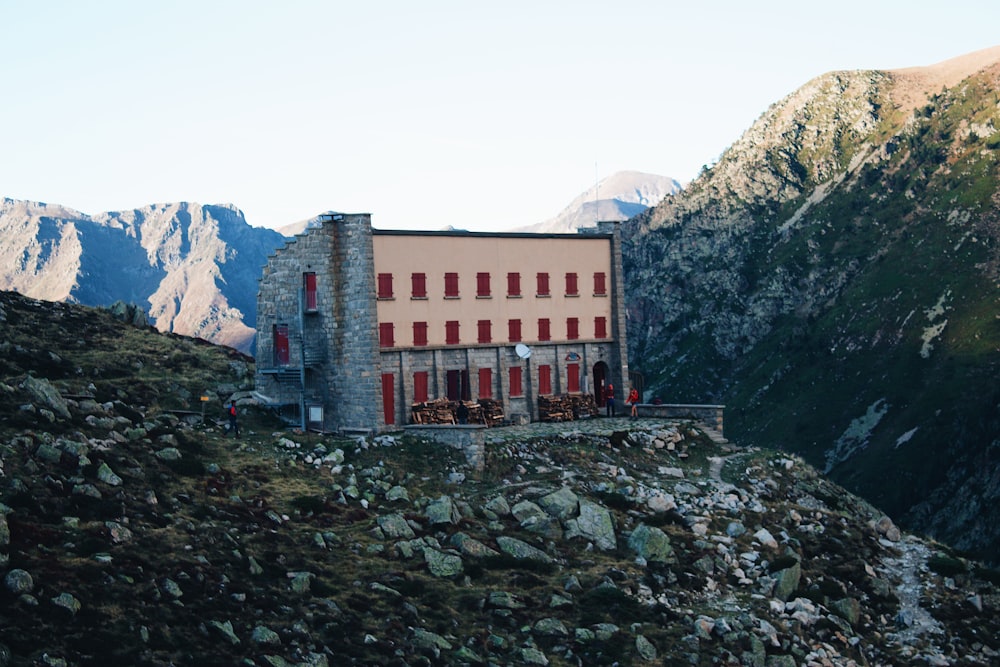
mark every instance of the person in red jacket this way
{"type": "Point", "coordinates": [234, 427]}
{"type": "Point", "coordinates": [609, 400]}
{"type": "Point", "coordinates": [633, 399]}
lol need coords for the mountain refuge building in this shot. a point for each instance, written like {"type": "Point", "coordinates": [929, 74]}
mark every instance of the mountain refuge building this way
{"type": "Point", "coordinates": [356, 325]}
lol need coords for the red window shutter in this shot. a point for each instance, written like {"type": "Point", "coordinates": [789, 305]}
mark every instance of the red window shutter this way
{"type": "Point", "coordinates": [514, 331]}
{"type": "Point", "coordinates": [572, 328]}
{"type": "Point", "coordinates": [485, 383]}
{"type": "Point", "coordinates": [543, 284]}
{"type": "Point", "coordinates": [385, 334]}
{"type": "Point", "coordinates": [600, 327]}
{"type": "Point", "coordinates": [451, 284]}
{"type": "Point", "coordinates": [309, 290]}
{"type": "Point", "coordinates": [544, 379]}
{"type": "Point", "coordinates": [420, 333]}
{"type": "Point", "coordinates": [543, 328]}
{"type": "Point", "coordinates": [513, 284]}
{"type": "Point", "coordinates": [420, 387]}
{"type": "Point", "coordinates": [571, 287]}
{"type": "Point", "coordinates": [482, 284]}
{"type": "Point", "coordinates": [418, 285]}
{"type": "Point", "coordinates": [573, 378]}
{"type": "Point", "coordinates": [451, 332]}
{"type": "Point", "coordinates": [385, 285]}
{"type": "Point", "coordinates": [516, 388]}
{"type": "Point", "coordinates": [600, 284]}
{"type": "Point", "coordinates": [485, 331]}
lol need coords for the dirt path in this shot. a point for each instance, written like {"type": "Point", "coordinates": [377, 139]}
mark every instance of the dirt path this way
{"type": "Point", "coordinates": [913, 621]}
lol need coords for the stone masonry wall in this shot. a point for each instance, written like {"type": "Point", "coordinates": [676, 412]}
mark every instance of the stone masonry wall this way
{"type": "Point", "coordinates": [343, 369]}
{"type": "Point", "coordinates": [354, 371]}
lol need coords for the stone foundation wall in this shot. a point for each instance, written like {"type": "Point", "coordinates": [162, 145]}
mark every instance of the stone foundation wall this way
{"type": "Point", "coordinates": [711, 415]}
{"type": "Point", "coordinates": [470, 438]}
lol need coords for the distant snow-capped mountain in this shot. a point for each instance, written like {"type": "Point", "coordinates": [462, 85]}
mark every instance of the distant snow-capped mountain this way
{"type": "Point", "coordinates": [620, 196]}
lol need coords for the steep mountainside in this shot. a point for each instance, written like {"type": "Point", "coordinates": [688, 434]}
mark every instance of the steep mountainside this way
{"type": "Point", "coordinates": [193, 268]}
{"type": "Point", "coordinates": [134, 532]}
{"type": "Point", "coordinates": [620, 196]}
{"type": "Point", "coordinates": [834, 280]}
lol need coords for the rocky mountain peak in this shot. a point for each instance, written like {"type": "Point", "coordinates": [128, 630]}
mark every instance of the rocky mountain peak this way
{"type": "Point", "coordinates": [825, 277]}
{"type": "Point", "coordinates": [192, 267]}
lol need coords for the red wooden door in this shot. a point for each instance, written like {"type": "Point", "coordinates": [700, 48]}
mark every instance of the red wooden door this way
{"type": "Point", "coordinates": [388, 399]}
{"type": "Point", "coordinates": [281, 344]}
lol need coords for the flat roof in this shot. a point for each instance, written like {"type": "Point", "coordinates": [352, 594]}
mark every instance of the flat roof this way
{"type": "Point", "coordinates": [507, 235]}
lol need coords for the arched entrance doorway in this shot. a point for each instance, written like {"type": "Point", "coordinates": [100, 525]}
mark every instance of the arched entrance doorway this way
{"type": "Point", "coordinates": [602, 375]}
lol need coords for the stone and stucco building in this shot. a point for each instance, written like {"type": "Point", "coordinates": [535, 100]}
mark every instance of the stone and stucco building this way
{"type": "Point", "coordinates": [354, 325]}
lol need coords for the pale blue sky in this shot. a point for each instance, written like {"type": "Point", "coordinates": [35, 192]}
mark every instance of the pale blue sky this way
{"type": "Point", "coordinates": [484, 116]}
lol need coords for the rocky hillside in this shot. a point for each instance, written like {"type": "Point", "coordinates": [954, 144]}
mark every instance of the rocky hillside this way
{"type": "Point", "coordinates": [834, 280]}
{"type": "Point", "coordinates": [134, 531]}
{"type": "Point", "coordinates": [193, 268]}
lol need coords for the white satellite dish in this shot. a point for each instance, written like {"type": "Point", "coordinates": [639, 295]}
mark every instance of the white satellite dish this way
{"type": "Point", "coordinates": [522, 350]}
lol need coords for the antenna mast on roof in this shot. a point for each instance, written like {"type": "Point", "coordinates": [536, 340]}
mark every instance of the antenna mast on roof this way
{"type": "Point", "coordinates": [597, 195]}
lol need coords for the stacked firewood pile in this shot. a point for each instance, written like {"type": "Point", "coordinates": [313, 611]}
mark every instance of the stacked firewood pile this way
{"type": "Point", "coordinates": [443, 411]}
{"type": "Point", "coordinates": [492, 411]}
{"type": "Point", "coordinates": [566, 407]}
{"type": "Point", "coordinates": [438, 411]}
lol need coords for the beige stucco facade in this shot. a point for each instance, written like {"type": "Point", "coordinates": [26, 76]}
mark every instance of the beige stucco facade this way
{"type": "Point", "coordinates": [468, 256]}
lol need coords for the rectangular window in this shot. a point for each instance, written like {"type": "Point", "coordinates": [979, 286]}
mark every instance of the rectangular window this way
{"type": "Point", "coordinates": [600, 327]}
{"type": "Point", "coordinates": [600, 284]}
{"type": "Point", "coordinates": [514, 284]}
{"type": "Point", "coordinates": [385, 285]}
{"type": "Point", "coordinates": [485, 328]}
{"type": "Point", "coordinates": [542, 287]}
{"type": "Point", "coordinates": [572, 328]}
{"type": "Point", "coordinates": [420, 387]}
{"type": "Point", "coordinates": [418, 285]}
{"type": "Point", "coordinates": [451, 332]}
{"type": "Point", "coordinates": [309, 291]}
{"type": "Point", "coordinates": [516, 388]}
{"type": "Point", "coordinates": [544, 379]}
{"type": "Point", "coordinates": [451, 285]}
{"type": "Point", "coordinates": [420, 333]}
{"type": "Point", "coordinates": [482, 284]}
{"type": "Point", "coordinates": [485, 383]}
{"type": "Point", "coordinates": [573, 378]}
{"type": "Point", "coordinates": [514, 331]}
{"type": "Point", "coordinates": [571, 287]}
{"type": "Point", "coordinates": [385, 334]}
{"type": "Point", "coordinates": [543, 329]}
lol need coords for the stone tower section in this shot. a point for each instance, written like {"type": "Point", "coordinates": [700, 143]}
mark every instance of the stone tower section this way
{"type": "Point", "coordinates": [354, 376]}
{"type": "Point", "coordinates": [318, 350]}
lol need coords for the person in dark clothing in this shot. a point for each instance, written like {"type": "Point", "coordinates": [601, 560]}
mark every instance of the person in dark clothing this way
{"type": "Point", "coordinates": [609, 400]}
{"type": "Point", "coordinates": [234, 427]}
{"type": "Point", "coordinates": [463, 413]}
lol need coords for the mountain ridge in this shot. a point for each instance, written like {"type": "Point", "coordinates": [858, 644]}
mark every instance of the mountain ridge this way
{"type": "Point", "coordinates": [833, 280]}
{"type": "Point", "coordinates": [193, 268]}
